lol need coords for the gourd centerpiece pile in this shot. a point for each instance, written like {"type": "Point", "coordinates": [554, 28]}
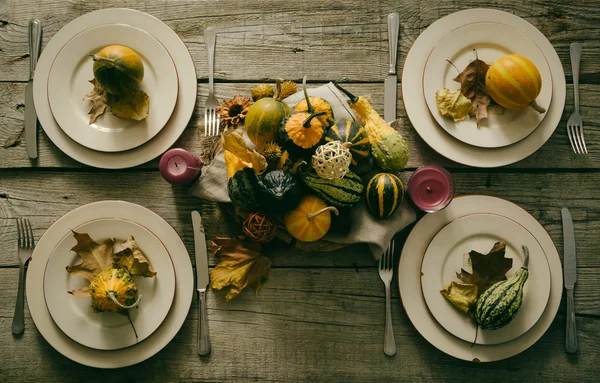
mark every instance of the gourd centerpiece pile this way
{"type": "Point", "coordinates": [299, 167]}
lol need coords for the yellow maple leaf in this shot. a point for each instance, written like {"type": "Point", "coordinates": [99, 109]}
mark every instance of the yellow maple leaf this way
{"type": "Point", "coordinates": [240, 264]}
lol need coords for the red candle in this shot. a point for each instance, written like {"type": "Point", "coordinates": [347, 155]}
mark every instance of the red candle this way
{"type": "Point", "coordinates": [180, 167]}
{"type": "Point", "coordinates": [431, 188]}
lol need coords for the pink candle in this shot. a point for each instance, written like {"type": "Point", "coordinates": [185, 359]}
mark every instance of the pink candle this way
{"type": "Point", "coordinates": [431, 188]}
{"type": "Point", "coordinates": [180, 167]}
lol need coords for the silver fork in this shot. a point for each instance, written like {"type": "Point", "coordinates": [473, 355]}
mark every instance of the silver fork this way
{"type": "Point", "coordinates": [575, 123]}
{"type": "Point", "coordinates": [386, 272]}
{"type": "Point", "coordinates": [26, 245]}
{"type": "Point", "coordinates": [211, 119]}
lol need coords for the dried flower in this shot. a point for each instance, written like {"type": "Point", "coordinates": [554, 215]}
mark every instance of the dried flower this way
{"type": "Point", "coordinates": [233, 111]}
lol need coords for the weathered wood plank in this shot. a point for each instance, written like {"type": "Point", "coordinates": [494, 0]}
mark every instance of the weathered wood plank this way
{"type": "Point", "coordinates": [45, 196]}
{"type": "Point", "coordinates": [556, 153]}
{"type": "Point", "coordinates": [304, 325]}
{"type": "Point", "coordinates": [315, 37]}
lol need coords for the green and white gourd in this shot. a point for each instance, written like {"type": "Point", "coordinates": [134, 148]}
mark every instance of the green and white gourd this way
{"type": "Point", "coordinates": [499, 304]}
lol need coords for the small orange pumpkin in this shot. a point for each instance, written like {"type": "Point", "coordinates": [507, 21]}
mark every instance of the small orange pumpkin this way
{"type": "Point", "coordinates": [514, 82]}
{"type": "Point", "coordinates": [311, 220]}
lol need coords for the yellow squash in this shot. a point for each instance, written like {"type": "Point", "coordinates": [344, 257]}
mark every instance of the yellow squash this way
{"type": "Point", "coordinates": [311, 220]}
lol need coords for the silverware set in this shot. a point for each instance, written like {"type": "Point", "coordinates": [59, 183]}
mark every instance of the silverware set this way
{"type": "Point", "coordinates": [26, 244]}
{"type": "Point", "coordinates": [575, 123]}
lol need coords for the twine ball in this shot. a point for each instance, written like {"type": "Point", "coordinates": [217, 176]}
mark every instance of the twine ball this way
{"type": "Point", "coordinates": [332, 160]}
{"type": "Point", "coordinates": [259, 228]}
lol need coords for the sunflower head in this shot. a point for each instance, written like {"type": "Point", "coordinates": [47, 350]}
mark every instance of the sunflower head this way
{"type": "Point", "coordinates": [233, 111]}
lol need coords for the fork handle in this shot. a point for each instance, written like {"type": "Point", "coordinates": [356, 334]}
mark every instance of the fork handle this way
{"type": "Point", "coordinates": [210, 38]}
{"type": "Point", "coordinates": [389, 343]}
{"type": "Point", "coordinates": [575, 58]}
{"type": "Point", "coordinates": [18, 324]}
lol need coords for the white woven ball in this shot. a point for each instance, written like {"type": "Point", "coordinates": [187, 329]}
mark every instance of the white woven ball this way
{"type": "Point", "coordinates": [332, 160]}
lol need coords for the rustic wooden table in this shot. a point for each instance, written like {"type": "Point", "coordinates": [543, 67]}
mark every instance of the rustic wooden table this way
{"type": "Point", "coordinates": [321, 316]}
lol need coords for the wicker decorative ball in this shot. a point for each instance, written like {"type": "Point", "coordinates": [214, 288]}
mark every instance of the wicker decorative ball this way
{"type": "Point", "coordinates": [332, 160]}
{"type": "Point", "coordinates": [259, 228]}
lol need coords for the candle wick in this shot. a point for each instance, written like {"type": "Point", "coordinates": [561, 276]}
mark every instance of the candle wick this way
{"type": "Point", "coordinates": [176, 164]}
{"type": "Point", "coordinates": [429, 190]}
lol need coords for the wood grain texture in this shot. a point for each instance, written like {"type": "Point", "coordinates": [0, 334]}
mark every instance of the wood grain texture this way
{"type": "Point", "coordinates": [272, 38]}
{"type": "Point", "coordinates": [305, 325]}
{"type": "Point", "coordinates": [556, 153]}
{"type": "Point", "coordinates": [45, 196]}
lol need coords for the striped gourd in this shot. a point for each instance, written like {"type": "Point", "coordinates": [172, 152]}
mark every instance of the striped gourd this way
{"type": "Point", "coordinates": [356, 137]}
{"type": "Point", "coordinates": [499, 304]}
{"type": "Point", "coordinates": [514, 82]}
{"type": "Point", "coordinates": [340, 192]}
{"type": "Point", "coordinates": [385, 193]}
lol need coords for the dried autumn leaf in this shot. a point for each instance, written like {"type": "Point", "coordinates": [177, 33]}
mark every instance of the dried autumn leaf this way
{"type": "Point", "coordinates": [240, 264]}
{"type": "Point", "coordinates": [472, 86]}
{"type": "Point", "coordinates": [487, 268]}
{"type": "Point", "coordinates": [134, 106]}
{"type": "Point", "coordinates": [452, 104]}
{"type": "Point", "coordinates": [95, 257]}
{"type": "Point", "coordinates": [133, 260]}
{"type": "Point", "coordinates": [234, 142]}
{"type": "Point", "coordinates": [462, 296]}
{"type": "Point", "coordinates": [99, 99]}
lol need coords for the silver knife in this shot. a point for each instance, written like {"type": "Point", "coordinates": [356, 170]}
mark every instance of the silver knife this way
{"type": "Point", "coordinates": [391, 81]}
{"type": "Point", "coordinates": [202, 283]}
{"type": "Point", "coordinates": [35, 44]}
{"type": "Point", "coordinates": [570, 273]}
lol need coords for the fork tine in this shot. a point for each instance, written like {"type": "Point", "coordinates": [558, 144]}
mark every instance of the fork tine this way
{"type": "Point", "coordinates": [31, 240]}
{"type": "Point", "coordinates": [583, 141]}
{"type": "Point", "coordinates": [218, 123]}
{"type": "Point", "coordinates": [392, 254]}
{"type": "Point", "coordinates": [580, 138]}
{"type": "Point", "coordinates": [19, 236]}
{"type": "Point", "coordinates": [205, 122]}
{"type": "Point", "coordinates": [577, 139]}
{"type": "Point", "coordinates": [571, 138]}
{"type": "Point", "coordinates": [214, 121]}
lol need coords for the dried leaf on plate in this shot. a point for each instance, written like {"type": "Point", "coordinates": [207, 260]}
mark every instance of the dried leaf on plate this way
{"type": "Point", "coordinates": [134, 106]}
{"type": "Point", "coordinates": [95, 257]}
{"type": "Point", "coordinates": [99, 99]}
{"type": "Point", "coordinates": [452, 104]}
{"type": "Point", "coordinates": [487, 268]}
{"type": "Point", "coordinates": [240, 264]}
{"type": "Point", "coordinates": [133, 260]}
{"type": "Point", "coordinates": [234, 142]}
{"type": "Point", "coordinates": [462, 296]}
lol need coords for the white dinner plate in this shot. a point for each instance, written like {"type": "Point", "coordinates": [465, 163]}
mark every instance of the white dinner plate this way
{"type": "Point", "coordinates": [426, 125]}
{"type": "Point", "coordinates": [409, 279]}
{"type": "Point", "coordinates": [184, 285]}
{"type": "Point", "coordinates": [445, 257]}
{"type": "Point", "coordinates": [186, 98]}
{"type": "Point", "coordinates": [108, 330]}
{"type": "Point", "coordinates": [69, 80]}
{"type": "Point", "coordinates": [491, 42]}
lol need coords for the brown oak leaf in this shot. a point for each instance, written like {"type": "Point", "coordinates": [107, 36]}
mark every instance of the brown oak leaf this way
{"type": "Point", "coordinates": [487, 268]}
{"type": "Point", "coordinates": [133, 260]}
{"type": "Point", "coordinates": [99, 99]}
{"type": "Point", "coordinates": [240, 264]}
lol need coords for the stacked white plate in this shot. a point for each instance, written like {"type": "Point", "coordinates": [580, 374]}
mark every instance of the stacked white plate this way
{"type": "Point", "coordinates": [434, 253]}
{"type": "Point", "coordinates": [62, 79]}
{"type": "Point", "coordinates": [501, 139]}
{"type": "Point", "coordinates": [107, 340]}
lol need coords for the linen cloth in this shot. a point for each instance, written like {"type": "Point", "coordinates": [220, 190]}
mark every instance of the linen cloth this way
{"type": "Point", "coordinates": [364, 227]}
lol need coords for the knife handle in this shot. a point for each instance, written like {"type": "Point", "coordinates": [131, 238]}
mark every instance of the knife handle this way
{"type": "Point", "coordinates": [393, 26]}
{"type": "Point", "coordinates": [571, 335]}
{"type": "Point", "coordinates": [203, 335]}
{"type": "Point", "coordinates": [35, 44]}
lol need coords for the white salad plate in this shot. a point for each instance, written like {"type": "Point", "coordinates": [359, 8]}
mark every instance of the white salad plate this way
{"type": "Point", "coordinates": [69, 81]}
{"type": "Point", "coordinates": [434, 135]}
{"type": "Point", "coordinates": [186, 98]}
{"type": "Point", "coordinates": [447, 254]}
{"type": "Point", "coordinates": [490, 41]}
{"type": "Point", "coordinates": [409, 279]}
{"type": "Point", "coordinates": [184, 284]}
{"type": "Point", "coordinates": [109, 330]}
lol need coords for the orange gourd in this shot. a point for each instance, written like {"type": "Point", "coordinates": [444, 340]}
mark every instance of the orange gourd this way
{"type": "Point", "coordinates": [311, 220]}
{"type": "Point", "coordinates": [514, 82]}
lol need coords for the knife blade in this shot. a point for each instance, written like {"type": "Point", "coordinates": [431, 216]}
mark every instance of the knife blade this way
{"type": "Point", "coordinates": [391, 81]}
{"type": "Point", "coordinates": [35, 44]}
{"type": "Point", "coordinates": [202, 279]}
{"type": "Point", "coordinates": [570, 274]}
